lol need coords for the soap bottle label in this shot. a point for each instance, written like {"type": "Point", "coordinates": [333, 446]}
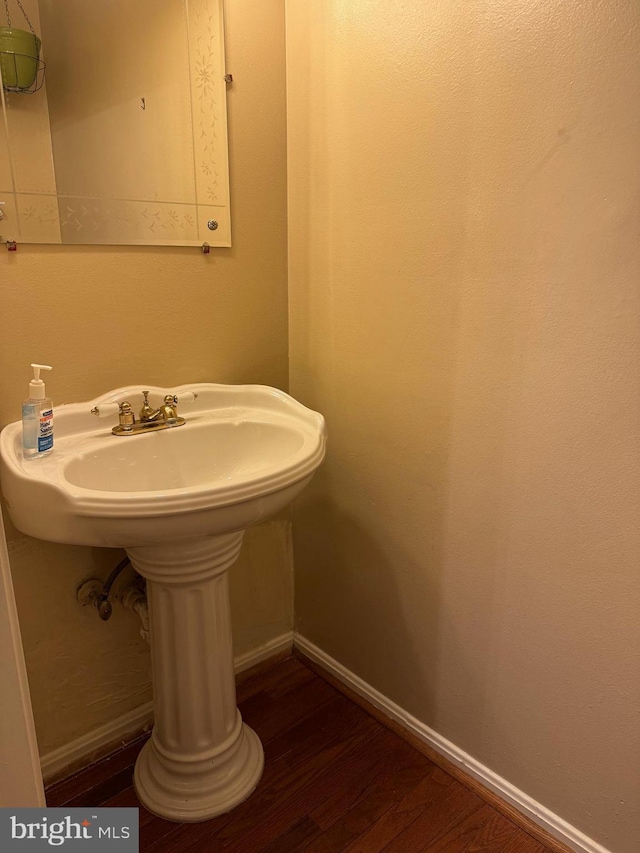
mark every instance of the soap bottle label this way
{"type": "Point", "coordinates": [45, 430]}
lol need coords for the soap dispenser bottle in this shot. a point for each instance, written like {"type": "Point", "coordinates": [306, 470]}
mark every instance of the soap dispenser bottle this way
{"type": "Point", "coordinates": [37, 418]}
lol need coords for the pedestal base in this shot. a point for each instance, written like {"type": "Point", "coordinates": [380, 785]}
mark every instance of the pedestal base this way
{"type": "Point", "coordinates": [190, 791]}
{"type": "Point", "coordinates": [201, 760]}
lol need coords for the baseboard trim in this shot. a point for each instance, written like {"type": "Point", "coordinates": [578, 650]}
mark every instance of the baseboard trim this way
{"type": "Point", "coordinates": [279, 646]}
{"type": "Point", "coordinates": [126, 728]}
{"type": "Point", "coordinates": [543, 824]}
{"type": "Point", "coordinates": [96, 744]}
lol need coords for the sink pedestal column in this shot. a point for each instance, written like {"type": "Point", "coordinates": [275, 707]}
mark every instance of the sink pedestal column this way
{"type": "Point", "coordinates": [201, 760]}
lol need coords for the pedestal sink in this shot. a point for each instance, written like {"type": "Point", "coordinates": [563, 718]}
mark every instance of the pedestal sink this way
{"type": "Point", "coordinates": [178, 500]}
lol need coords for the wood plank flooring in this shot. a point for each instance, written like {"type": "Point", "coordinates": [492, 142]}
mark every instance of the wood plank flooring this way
{"type": "Point", "coordinates": [335, 780]}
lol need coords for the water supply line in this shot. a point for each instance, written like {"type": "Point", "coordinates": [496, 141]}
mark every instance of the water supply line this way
{"type": "Point", "coordinates": [97, 593]}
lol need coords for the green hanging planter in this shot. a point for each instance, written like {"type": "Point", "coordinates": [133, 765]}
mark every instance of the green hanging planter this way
{"type": "Point", "coordinates": [19, 58]}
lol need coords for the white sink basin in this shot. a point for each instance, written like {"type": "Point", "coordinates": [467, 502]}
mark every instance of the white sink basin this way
{"type": "Point", "coordinates": [179, 501]}
{"type": "Point", "coordinates": [243, 454]}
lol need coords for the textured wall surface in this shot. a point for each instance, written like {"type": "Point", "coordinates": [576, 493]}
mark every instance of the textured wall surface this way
{"type": "Point", "coordinates": [464, 267]}
{"type": "Point", "coordinates": [105, 318]}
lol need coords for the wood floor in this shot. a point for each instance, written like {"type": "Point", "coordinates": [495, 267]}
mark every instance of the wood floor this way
{"type": "Point", "coordinates": [335, 779]}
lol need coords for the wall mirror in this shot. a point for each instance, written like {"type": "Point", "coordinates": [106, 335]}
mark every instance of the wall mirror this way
{"type": "Point", "coordinates": [126, 140]}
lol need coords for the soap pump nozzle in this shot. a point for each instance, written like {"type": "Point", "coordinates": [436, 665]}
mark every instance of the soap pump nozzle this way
{"type": "Point", "coordinates": [36, 386]}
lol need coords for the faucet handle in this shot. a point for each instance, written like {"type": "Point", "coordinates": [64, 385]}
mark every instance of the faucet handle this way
{"type": "Point", "coordinates": [124, 411]}
{"type": "Point", "coordinates": [186, 397]}
{"type": "Point", "coordinates": [169, 409]}
{"type": "Point", "coordinates": [106, 410]}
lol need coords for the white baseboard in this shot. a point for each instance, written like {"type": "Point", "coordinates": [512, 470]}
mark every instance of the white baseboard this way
{"type": "Point", "coordinates": [539, 814]}
{"type": "Point", "coordinates": [123, 729]}
{"type": "Point", "coordinates": [277, 646]}
{"type": "Point", "coordinates": [97, 742]}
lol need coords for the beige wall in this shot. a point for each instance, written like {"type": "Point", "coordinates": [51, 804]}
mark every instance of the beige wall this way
{"type": "Point", "coordinates": [464, 267]}
{"type": "Point", "coordinates": [110, 317]}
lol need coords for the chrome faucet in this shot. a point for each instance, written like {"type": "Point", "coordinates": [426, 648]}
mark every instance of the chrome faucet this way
{"type": "Point", "coordinates": [150, 419]}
